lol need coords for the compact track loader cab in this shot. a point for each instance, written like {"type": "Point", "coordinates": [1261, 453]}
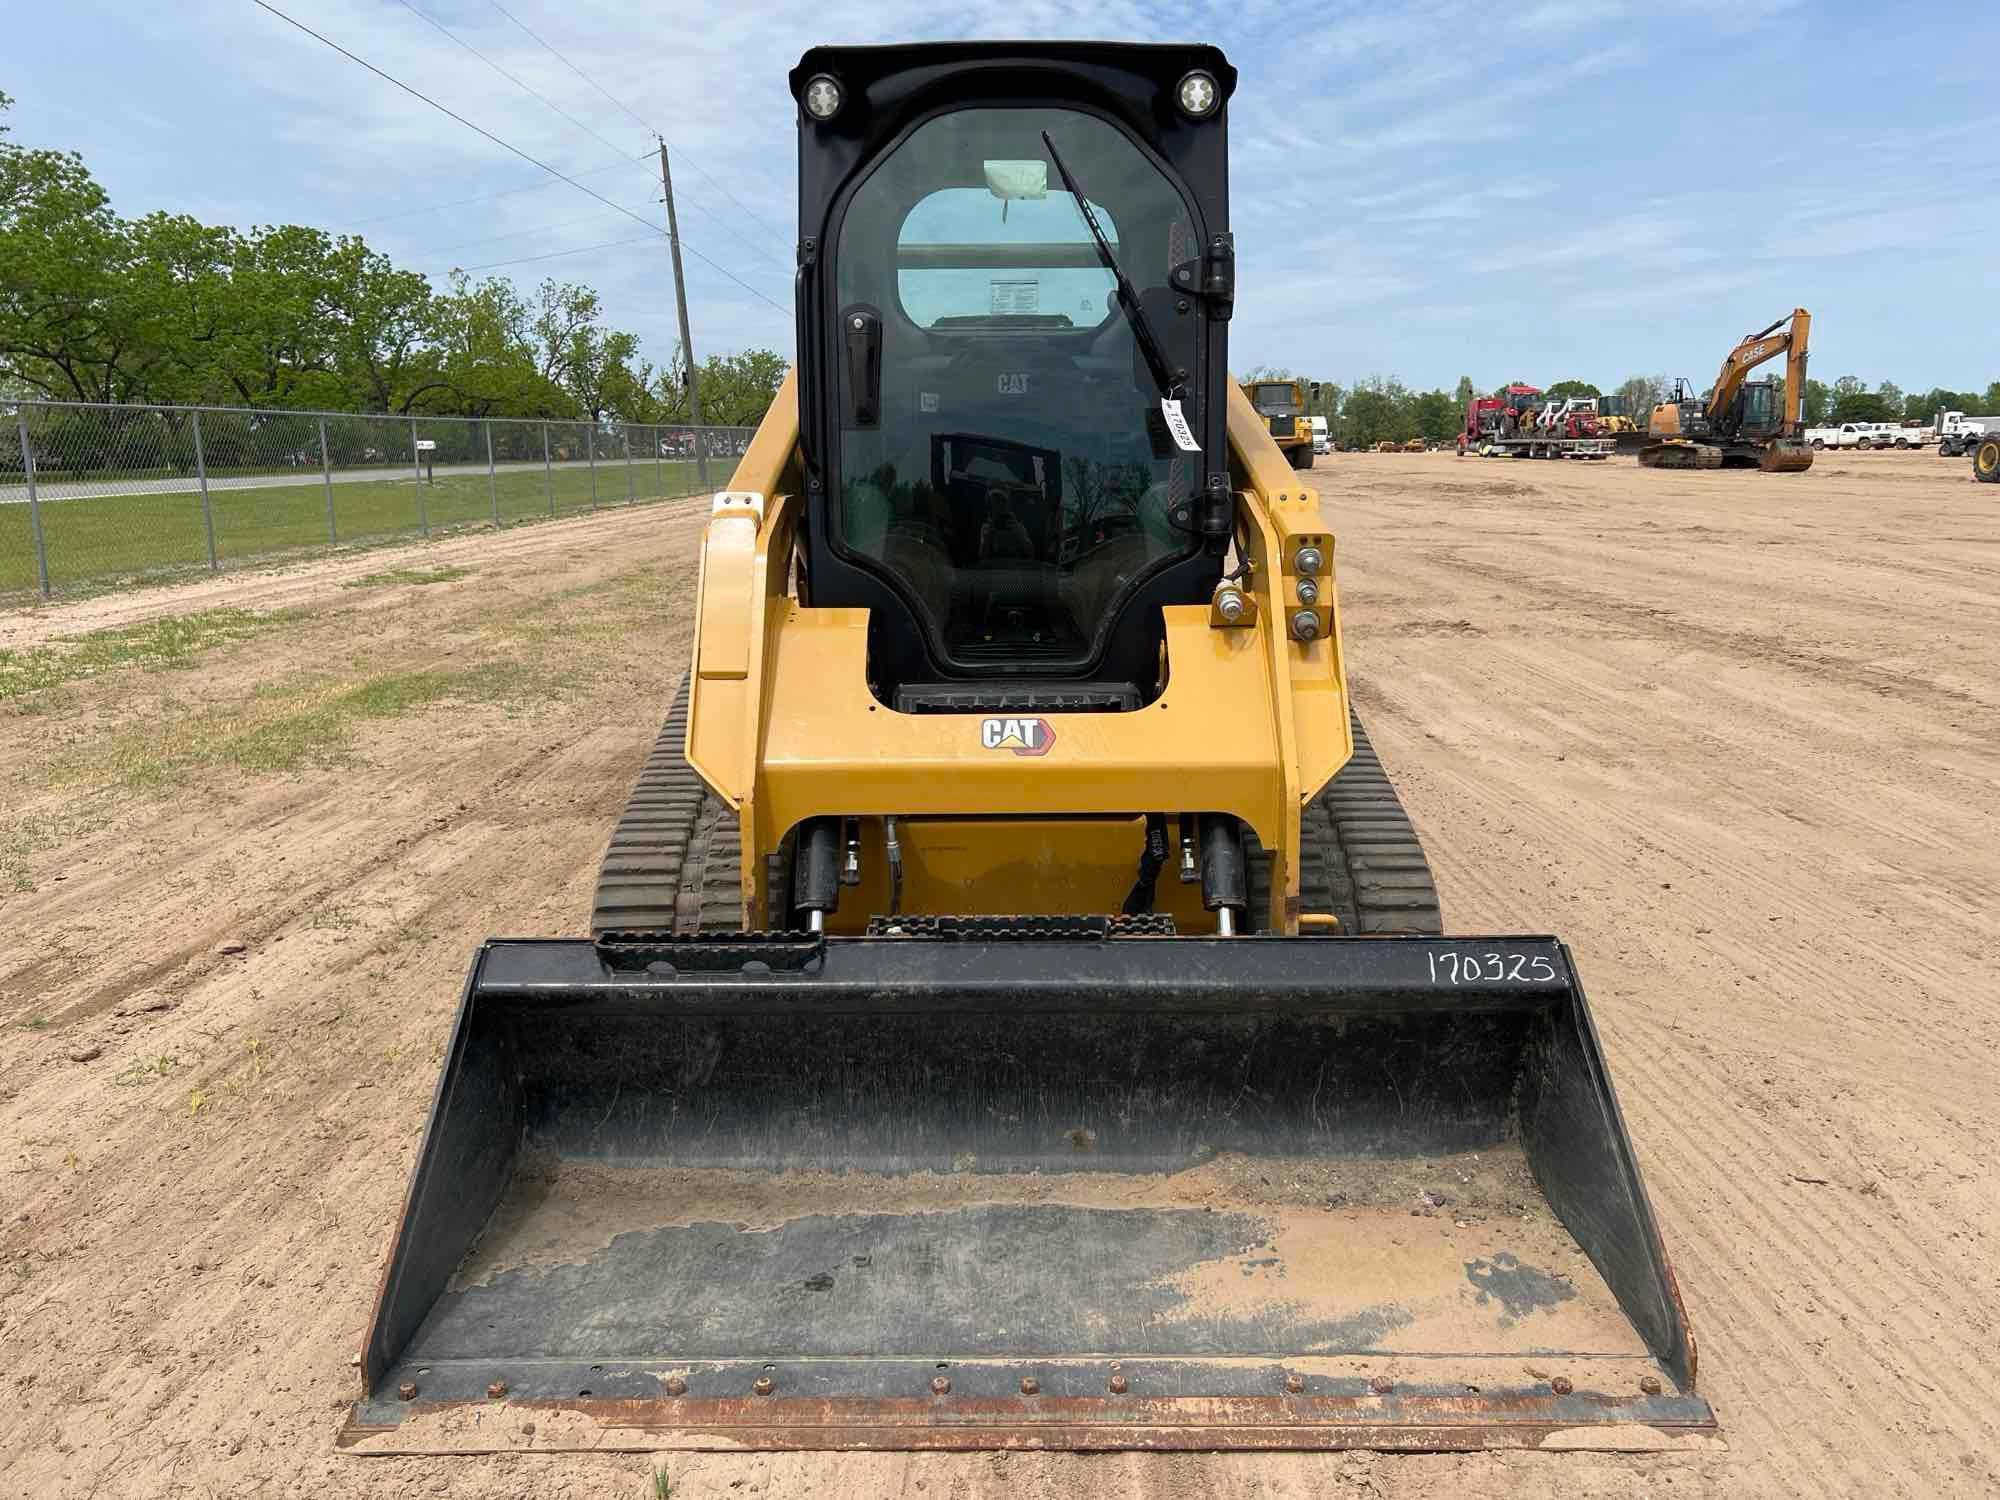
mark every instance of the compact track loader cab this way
{"type": "Point", "coordinates": [1015, 1013]}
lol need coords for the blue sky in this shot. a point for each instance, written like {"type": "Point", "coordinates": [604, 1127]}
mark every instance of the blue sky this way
{"type": "Point", "coordinates": [1534, 190]}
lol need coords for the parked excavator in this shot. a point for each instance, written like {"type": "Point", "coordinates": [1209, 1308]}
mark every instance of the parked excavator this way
{"type": "Point", "coordinates": [1740, 424]}
{"type": "Point", "coordinates": [1016, 1012]}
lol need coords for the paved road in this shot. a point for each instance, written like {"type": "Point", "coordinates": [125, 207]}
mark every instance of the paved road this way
{"type": "Point", "coordinates": [187, 484]}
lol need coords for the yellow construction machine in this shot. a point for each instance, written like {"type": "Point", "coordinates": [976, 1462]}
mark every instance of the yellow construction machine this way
{"type": "Point", "coordinates": [1282, 406]}
{"type": "Point", "coordinates": [1742, 423]}
{"type": "Point", "coordinates": [1016, 1013]}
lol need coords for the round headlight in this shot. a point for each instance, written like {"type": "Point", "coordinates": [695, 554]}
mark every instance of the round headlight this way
{"type": "Point", "coordinates": [823, 97]}
{"type": "Point", "coordinates": [1198, 95]}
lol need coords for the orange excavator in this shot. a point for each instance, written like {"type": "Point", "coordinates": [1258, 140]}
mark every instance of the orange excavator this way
{"type": "Point", "coordinates": [1743, 423]}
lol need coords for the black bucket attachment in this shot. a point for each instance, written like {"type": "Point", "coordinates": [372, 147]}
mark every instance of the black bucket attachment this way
{"type": "Point", "coordinates": [960, 1191]}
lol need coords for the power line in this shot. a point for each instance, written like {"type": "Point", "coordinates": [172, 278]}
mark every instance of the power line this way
{"type": "Point", "coordinates": [522, 260]}
{"type": "Point", "coordinates": [430, 250]}
{"type": "Point", "coordinates": [637, 239]}
{"type": "Point", "coordinates": [525, 88]}
{"type": "Point", "coordinates": [632, 114]}
{"type": "Point", "coordinates": [506, 146]}
{"type": "Point", "coordinates": [531, 187]}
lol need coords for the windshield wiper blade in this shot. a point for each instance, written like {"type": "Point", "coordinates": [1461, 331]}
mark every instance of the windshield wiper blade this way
{"type": "Point", "coordinates": [1128, 296]}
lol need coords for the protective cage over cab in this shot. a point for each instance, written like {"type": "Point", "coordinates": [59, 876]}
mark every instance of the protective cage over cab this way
{"type": "Point", "coordinates": [1011, 255]}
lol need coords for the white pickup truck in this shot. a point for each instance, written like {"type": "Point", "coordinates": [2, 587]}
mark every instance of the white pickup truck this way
{"type": "Point", "coordinates": [1845, 435]}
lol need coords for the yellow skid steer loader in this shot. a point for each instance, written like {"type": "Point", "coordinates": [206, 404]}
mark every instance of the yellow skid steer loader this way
{"type": "Point", "coordinates": [1016, 1014]}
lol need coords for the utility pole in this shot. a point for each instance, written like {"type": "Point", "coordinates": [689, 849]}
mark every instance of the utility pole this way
{"type": "Point", "coordinates": [681, 300]}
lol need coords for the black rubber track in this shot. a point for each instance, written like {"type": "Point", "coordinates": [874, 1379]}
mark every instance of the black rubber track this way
{"type": "Point", "coordinates": [673, 864]}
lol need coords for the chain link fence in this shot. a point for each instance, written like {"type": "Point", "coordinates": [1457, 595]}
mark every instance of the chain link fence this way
{"type": "Point", "coordinates": [95, 495]}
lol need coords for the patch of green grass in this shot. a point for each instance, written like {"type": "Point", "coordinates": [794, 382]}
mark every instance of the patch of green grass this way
{"type": "Point", "coordinates": [391, 577]}
{"type": "Point", "coordinates": [36, 1023]}
{"type": "Point", "coordinates": [317, 731]}
{"type": "Point", "coordinates": [172, 643]}
{"type": "Point", "coordinates": [145, 1070]}
{"type": "Point", "coordinates": [333, 919]}
{"type": "Point", "coordinates": [25, 835]}
{"type": "Point", "coordinates": [663, 1487]}
{"type": "Point", "coordinates": [91, 537]}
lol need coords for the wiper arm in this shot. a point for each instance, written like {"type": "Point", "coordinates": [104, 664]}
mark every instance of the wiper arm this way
{"type": "Point", "coordinates": [1128, 296]}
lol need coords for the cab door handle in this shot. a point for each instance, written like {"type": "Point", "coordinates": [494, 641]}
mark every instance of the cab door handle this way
{"type": "Point", "coordinates": [861, 327]}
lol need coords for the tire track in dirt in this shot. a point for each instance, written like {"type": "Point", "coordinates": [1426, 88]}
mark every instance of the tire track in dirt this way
{"type": "Point", "coordinates": [207, 1266]}
{"type": "Point", "coordinates": [1840, 1323]}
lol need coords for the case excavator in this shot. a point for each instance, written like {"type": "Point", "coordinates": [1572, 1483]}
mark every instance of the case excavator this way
{"type": "Point", "coordinates": [1742, 423]}
{"type": "Point", "coordinates": [1017, 1012]}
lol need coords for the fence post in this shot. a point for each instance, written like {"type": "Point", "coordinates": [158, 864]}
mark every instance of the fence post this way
{"type": "Point", "coordinates": [548, 475]}
{"type": "Point", "coordinates": [326, 473]}
{"type": "Point", "coordinates": [590, 447]}
{"type": "Point", "coordinates": [631, 494]}
{"type": "Point", "coordinates": [34, 504]}
{"type": "Point", "coordinates": [417, 469]}
{"type": "Point", "coordinates": [659, 468]}
{"type": "Point", "coordinates": [492, 483]}
{"type": "Point", "coordinates": [201, 475]}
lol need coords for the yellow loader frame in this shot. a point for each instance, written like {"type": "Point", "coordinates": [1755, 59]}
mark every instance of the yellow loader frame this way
{"type": "Point", "coordinates": [783, 726]}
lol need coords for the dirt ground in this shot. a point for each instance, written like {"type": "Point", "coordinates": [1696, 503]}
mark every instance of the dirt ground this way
{"type": "Point", "coordinates": [1734, 737]}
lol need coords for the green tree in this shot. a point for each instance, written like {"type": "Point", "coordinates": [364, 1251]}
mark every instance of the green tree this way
{"type": "Point", "coordinates": [1892, 394]}
{"type": "Point", "coordinates": [1816, 403]}
{"type": "Point", "coordinates": [1564, 388]}
{"type": "Point", "coordinates": [1376, 408]}
{"type": "Point", "coordinates": [1638, 396]}
{"type": "Point", "coordinates": [1462, 396]}
{"type": "Point", "coordinates": [167, 308]}
{"type": "Point", "coordinates": [62, 252]}
{"type": "Point", "coordinates": [486, 357]}
{"type": "Point", "coordinates": [737, 389]}
{"type": "Point", "coordinates": [1864, 406]}
{"type": "Point", "coordinates": [1436, 416]}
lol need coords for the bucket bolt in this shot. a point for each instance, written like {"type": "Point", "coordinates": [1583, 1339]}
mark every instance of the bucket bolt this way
{"type": "Point", "coordinates": [676, 1386]}
{"type": "Point", "coordinates": [1650, 1384]}
{"type": "Point", "coordinates": [407, 1391]}
{"type": "Point", "coordinates": [496, 1390]}
{"type": "Point", "coordinates": [1381, 1385]}
{"type": "Point", "coordinates": [1119, 1384]}
{"type": "Point", "coordinates": [1561, 1385]}
{"type": "Point", "coordinates": [764, 1385]}
{"type": "Point", "coordinates": [1030, 1386]}
{"type": "Point", "coordinates": [1295, 1383]}
{"type": "Point", "coordinates": [940, 1385]}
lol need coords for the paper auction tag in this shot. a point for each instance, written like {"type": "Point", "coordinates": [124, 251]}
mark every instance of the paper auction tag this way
{"type": "Point", "coordinates": [1177, 424]}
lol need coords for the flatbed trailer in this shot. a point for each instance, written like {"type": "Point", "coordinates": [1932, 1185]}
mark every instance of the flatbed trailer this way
{"type": "Point", "coordinates": [1541, 445]}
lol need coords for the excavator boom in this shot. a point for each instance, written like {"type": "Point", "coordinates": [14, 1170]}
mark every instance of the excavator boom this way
{"type": "Point", "coordinates": [1752, 352]}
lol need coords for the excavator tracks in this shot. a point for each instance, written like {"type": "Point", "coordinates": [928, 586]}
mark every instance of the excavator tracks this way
{"type": "Point", "coordinates": [673, 863]}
